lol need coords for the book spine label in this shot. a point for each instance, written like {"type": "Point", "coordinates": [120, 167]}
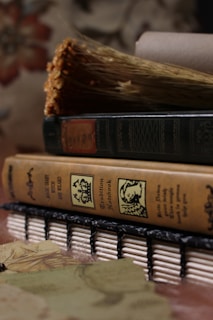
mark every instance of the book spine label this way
{"type": "Point", "coordinates": [170, 195]}
{"type": "Point", "coordinates": [78, 136]}
{"type": "Point", "coordinates": [162, 138]}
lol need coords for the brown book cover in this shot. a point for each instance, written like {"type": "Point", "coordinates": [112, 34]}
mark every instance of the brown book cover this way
{"type": "Point", "coordinates": [165, 194]}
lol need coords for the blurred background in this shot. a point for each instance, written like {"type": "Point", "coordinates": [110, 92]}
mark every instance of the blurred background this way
{"type": "Point", "coordinates": [31, 29]}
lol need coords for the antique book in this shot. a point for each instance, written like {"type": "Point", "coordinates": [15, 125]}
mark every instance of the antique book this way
{"type": "Point", "coordinates": [162, 136]}
{"type": "Point", "coordinates": [173, 195]}
{"type": "Point", "coordinates": [166, 255]}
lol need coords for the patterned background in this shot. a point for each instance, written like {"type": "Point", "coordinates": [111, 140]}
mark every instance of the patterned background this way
{"type": "Point", "coordinates": [31, 29]}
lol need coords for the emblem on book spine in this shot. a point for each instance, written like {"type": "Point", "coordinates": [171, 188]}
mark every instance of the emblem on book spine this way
{"type": "Point", "coordinates": [82, 191]}
{"type": "Point", "coordinates": [132, 197]}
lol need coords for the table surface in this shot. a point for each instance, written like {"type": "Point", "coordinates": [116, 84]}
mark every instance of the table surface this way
{"type": "Point", "coordinates": [188, 301]}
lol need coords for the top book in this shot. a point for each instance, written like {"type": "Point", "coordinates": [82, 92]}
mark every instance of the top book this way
{"type": "Point", "coordinates": [85, 76]}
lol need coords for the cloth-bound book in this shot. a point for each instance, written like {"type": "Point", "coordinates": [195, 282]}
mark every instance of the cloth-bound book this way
{"type": "Point", "coordinates": [155, 136]}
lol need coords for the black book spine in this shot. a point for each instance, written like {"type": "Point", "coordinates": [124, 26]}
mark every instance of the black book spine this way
{"type": "Point", "coordinates": [175, 136]}
{"type": "Point", "coordinates": [150, 232]}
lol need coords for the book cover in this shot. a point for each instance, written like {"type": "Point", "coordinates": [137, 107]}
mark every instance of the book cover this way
{"type": "Point", "coordinates": [166, 255]}
{"type": "Point", "coordinates": [159, 136]}
{"type": "Point", "coordinates": [164, 194]}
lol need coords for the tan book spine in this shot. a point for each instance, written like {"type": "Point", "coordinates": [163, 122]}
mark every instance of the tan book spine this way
{"type": "Point", "coordinates": [164, 194]}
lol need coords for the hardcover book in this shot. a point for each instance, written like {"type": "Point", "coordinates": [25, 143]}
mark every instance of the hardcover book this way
{"type": "Point", "coordinates": [163, 136]}
{"type": "Point", "coordinates": [165, 255]}
{"type": "Point", "coordinates": [172, 195]}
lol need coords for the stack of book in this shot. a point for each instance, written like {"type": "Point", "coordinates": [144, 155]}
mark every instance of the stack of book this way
{"type": "Point", "coordinates": [114, 185]}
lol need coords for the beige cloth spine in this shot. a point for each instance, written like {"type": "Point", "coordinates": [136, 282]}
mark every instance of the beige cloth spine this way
{"type": "Point", "coordinates": [192, 50]}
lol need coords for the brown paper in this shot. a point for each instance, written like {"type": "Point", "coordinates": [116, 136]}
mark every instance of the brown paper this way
{"type": "Point", "coordinates": [19, 256]}
{"type": "Point", "coordinates": [192, 50]}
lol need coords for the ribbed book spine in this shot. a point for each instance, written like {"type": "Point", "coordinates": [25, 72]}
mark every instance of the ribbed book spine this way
{"type": "Point", "coordinates": [180, 136]}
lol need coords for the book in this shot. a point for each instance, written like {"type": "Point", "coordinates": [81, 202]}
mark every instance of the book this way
{"type": "Point", "coordinates": [165, 255]}
{"type": "Point", "coordinates": [162, 136]}
{"type": "Point", "coordinates": [173, 195]}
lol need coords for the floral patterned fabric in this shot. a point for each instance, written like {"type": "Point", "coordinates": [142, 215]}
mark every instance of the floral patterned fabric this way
{"type": "Point", "coordinates": [31, 29]}
{"type": "Point", "coordinates": [21, 39]}
{"type": "Point", "coordinates": [29, 33]}
{"type": "Point", "coordinates": [118, 23]}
